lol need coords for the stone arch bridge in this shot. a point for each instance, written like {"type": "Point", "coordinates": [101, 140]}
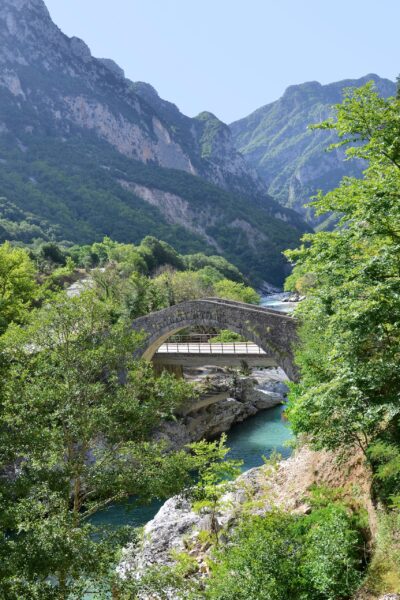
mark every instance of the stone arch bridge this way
{"type": "Point", "coordinates": [272, 331]}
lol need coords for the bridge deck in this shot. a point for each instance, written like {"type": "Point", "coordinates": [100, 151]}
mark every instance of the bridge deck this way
{"type": "Point", "coordinates": [195, 348]}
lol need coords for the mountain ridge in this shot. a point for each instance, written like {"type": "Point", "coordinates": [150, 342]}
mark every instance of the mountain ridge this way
{"type": "Point", "coordinates": [291, 159]}
{"type": "Point", "coordinates": [84, 153]}
{"type": "Point", "coordinates": [155, 141]}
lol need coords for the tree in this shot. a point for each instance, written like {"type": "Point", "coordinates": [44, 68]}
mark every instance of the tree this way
{"type": "Point", "coordinates": [129, 260]}
{"type": "Point", "coordinates": [17, 285]}
{"type": "Point", "coordinates": [232, 290]}
{"type": "Point", "coordinates": [183, 286]}
{"type": "Point", "coordinates": [157, 253]}
{"type": "Point", "coordinates": [130, 297]}
{"type": "Point", "coordinates": [196, 262]}
{"type": "Point", "coordinates": [51, 252]}
{"type": "Point", "coordinates": [77, 414]}
{"type": "Point", "coordinates": [215, 476]}
{"type": "Point", "coordinates": [214, 479]}
{"type": "Point", "coordinates": [350, 332]}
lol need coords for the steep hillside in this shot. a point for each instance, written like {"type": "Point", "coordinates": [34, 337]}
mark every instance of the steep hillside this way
{"type": "Point", "coordinates": [60, 88]}
{"type": "Point", "coordinates": [85, 152]}
{"type": "Point", "coordinates": [291, 159]}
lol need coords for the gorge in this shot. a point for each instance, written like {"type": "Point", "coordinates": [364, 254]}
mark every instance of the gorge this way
{"type": "Point", "coordinates": [174, 425]}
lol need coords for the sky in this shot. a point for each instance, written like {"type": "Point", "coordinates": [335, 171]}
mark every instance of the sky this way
{"type": "Point", "coordinates": [232, 56]}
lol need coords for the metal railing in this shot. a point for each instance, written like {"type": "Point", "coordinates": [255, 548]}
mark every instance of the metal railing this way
{"type": "Point", "coordinates": [191, 347]}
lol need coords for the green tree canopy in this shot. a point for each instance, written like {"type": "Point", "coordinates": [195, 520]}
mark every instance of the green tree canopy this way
{"type": "Point", "coordinates": [350, 335]}
{"type": "Point", "coordinates": [231, 290]}
{"type": "Point", "coordinates": [282, 556]}
{"type": "Point", "coordinates": [76, 418]}
{"type": "Point", "coordinates": [17, 284]}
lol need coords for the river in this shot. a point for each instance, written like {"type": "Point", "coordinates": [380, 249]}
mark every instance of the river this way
{"type": "Point", "coordinates": [278, 302]}
{"type": "Point", "coordinates": [249, 441]}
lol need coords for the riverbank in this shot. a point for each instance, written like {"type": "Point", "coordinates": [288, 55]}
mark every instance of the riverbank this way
{"type": "Point", "coordinates": [259, 435]}
{"type": "Point", "coordinates": [178, 529]}
{"type": "Point", "coordinates": [250, 412]}
{"type": "Point", "coordinates": [225, 399]}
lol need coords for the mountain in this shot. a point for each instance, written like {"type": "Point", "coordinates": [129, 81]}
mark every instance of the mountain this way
{"type": "Point", "coordinates": [84, 152]}
{"type": "Point", "coordinates": [292, 159]}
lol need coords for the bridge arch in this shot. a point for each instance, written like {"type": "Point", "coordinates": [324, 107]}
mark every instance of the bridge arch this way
{"type": "Point", "coordinates": [274, 332]}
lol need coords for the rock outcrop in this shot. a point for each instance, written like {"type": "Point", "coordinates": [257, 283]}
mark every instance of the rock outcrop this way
{"type": "Point", "coordinates": [228, 401]}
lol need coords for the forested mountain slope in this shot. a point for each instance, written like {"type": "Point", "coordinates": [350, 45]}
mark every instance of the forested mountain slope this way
{"type": "Point", "coordinates": [291, 158]}
{"type": "Point", "coordinates": [84, 153]}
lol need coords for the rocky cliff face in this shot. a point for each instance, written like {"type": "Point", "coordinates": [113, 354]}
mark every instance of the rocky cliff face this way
{"type": "Point", "coordinates": [84, 153]}
{"type": "Point", "coordinates": [58, 75]}
{"type": "Point", "coordinates": [67, 87]}
{"type": "Point", "coordinates": [229, 402]}
{"type": "Point", "coordinates": [291, 159]}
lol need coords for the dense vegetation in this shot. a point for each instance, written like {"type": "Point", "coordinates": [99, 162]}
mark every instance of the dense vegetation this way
{"type": "Point", "coordinates": [71, 191]}
{"type": "Point", "coordinates": [138, 279]}
{"type": "Point", "coordinates": [350, 351]}
{"type": "Point", "coordinates": [77, 411]}
{"type": "Point", "coordinates": [280, 556]}
{"type": "Point", "coordinates": [77, 137]}
{"type": "Point", "coordinates": [348, 396]}
{"type": "Point", "coordinates": [276, 556]}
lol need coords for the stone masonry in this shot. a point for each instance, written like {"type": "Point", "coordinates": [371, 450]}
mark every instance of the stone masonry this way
{"type": "Point", "coordinates": [274, 332]}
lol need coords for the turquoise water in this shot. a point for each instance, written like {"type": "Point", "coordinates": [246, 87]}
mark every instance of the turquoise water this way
{"type": "Point", "coordinates": [249, 441]}
{"type": "Point", "coordinates": [126, 514]}
{"type": "Point", "coordinates": [256, 437]}
{"type": "Point", "coordinates": [259, 436]}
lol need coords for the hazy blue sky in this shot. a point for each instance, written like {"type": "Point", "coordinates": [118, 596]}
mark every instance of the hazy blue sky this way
{"type": "Point", "coordinates": [232, 56]}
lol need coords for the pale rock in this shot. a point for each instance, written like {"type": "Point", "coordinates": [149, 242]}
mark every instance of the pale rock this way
{"type": "Point", "coordinates": [176, 526]}
{"type": "Point", "coordinates": [245, 398]}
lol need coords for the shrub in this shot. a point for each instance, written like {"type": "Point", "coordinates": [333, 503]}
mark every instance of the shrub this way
{"type": "Point", "coordinates": [281, 556]}
{"type": "Point", "coordinates": [226, 335]}
{"type": "Point", "coordinates": [263, 562]}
